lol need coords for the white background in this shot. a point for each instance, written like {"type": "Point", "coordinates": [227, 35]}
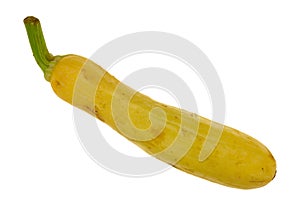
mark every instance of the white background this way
{"type": "Point", "coordinates": [254, 46]}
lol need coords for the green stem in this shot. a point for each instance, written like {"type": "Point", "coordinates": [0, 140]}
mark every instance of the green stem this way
{"type": "Point", "coordinates": [38, 45]}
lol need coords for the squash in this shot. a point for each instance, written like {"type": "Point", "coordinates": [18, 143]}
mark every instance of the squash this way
{"type": "Point", "coordinates": [170, 134]}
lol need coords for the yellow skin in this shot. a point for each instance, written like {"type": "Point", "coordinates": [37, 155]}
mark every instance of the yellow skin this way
{"type": "Point", "coordinates": [237, 161]}
{"type": "Point", "coordinates": [229, 157]}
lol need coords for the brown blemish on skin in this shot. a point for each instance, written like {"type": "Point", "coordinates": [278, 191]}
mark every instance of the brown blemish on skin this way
{"type": "Point", "coordinates": [88, 109]}
{"type": "Point", "coordinates": [56, 83]}
{"type": "Point", "coordinates": [274, 175]}
{"type": "Point", "coordinates": [84, 74]}
{"type": "Point", "coordinates": [98, 115]}
{"type": "Point", "coordinates": [166, 106]}
{"type": "Point", "coordinates": [257, 181]}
